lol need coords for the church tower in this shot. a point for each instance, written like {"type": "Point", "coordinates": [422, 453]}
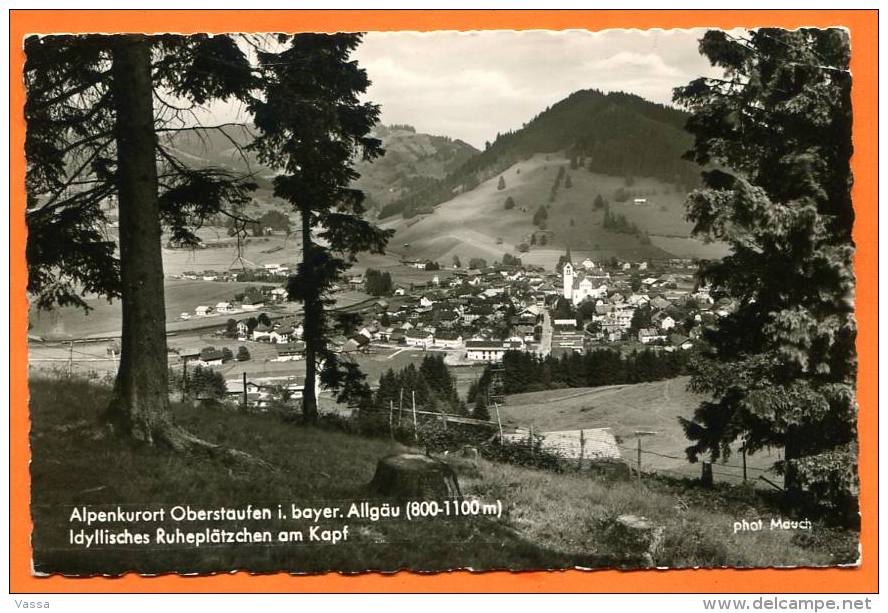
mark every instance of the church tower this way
{"type": "Point", "coordinates": [567, 277]}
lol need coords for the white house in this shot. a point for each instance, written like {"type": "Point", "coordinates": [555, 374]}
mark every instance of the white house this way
{"type": "Point", "coordinates": [419, 338]}
{"type": "Point", "coordinates": [620, 318]}
{"type": "Point", "coordinates": [262, 332]}
{"type": "Point", "coordinates": [223, 307]}
{"type": "Point", "coordinates": [282, 335]}
{"type": "Point", "coordinates": [242, 330]}
{"type": "Point", "coordinates": [489, 351]}
{"type": "Point", "coordinates": [203, 311]}
{"type": "Point", "coordinates": [665, 322]}
{"type": "Point", "coordinates": [564, 323]}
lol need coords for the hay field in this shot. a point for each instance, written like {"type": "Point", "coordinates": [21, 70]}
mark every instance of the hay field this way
{"type": "Point", "coordinates": [626, 409]}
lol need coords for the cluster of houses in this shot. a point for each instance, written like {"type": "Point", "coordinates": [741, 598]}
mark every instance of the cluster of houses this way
{"type": "Point", "coordinates": [267, 272]}
{"type": "Point", "coordinates": [262, 393]}
{"type": "Point", "coordinates": [266, 294]}
{"type": "Point", "coordinates": [608, 303]}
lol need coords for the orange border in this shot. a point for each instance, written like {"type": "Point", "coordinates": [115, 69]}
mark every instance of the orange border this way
{"type": "Point", "coordinates": [864, 64]}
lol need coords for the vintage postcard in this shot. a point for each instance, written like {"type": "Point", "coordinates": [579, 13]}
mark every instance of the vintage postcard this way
{"type": "Point", "coordinates": [361, 299]}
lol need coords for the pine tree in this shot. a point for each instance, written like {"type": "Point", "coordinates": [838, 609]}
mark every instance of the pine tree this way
{"type": "Point", "coordinates": [99, 131]}
{"type": "Point", "coordinates": [501, 184]}
{"type": "Point", "coordinates": [776, 131]}
{"type": "Point", "coordinates": [312, 127]}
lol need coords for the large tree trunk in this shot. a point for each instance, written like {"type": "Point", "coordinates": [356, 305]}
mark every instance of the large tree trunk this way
{"type": "Point", "coordinates": [312, 332]}
{"type": "Point", "coordinates": [140, 404]}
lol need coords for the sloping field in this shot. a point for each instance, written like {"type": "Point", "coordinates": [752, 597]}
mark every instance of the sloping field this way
{"type": "Point", "coordinates": [476, 224]}
{"type": "Point", "coordinates": [629, 409]}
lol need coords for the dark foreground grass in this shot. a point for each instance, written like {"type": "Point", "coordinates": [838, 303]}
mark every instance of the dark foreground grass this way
{"type": "Point", "coordinates": [72, 466]}
{"type": "Point", "coordinates": [550, 520]}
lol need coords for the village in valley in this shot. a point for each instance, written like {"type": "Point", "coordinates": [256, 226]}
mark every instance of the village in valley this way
{"type": "Point", "coordinates": [472, 314]}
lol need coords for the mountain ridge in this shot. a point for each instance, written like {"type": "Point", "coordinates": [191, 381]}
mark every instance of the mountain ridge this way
{"type": "Point", "coordinates": [610, 133]}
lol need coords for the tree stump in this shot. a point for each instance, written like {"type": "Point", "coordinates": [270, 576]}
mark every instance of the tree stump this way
{"type": "Point", "coordinates": [412, 476]}
{"type": "Point", "coordinates": [633, 537]}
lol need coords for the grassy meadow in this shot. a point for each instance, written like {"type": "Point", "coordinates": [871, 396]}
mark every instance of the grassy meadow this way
{"type": "Point", "coordinates": [652, 408]}
{"type": "Point", "coordinates": [549, 520]}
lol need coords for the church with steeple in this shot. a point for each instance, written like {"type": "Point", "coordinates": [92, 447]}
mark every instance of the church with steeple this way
{"type": "Point", "coordinates": [582, 281]}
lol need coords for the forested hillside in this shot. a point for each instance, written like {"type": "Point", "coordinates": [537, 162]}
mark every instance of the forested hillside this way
{"type": "Point", "coordinates": [614, 134]}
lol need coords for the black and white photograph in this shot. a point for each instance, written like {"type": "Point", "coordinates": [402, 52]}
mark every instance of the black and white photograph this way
{"type": "Point", "coordinates": [429, 301]}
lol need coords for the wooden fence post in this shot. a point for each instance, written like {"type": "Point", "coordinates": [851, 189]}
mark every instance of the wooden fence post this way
{"type": "Point", "coordinates": [413, 398]}
{"type": "Point", "coordinates": [582, 449]}
{"type": "Point", "coordinates": [391, 411]}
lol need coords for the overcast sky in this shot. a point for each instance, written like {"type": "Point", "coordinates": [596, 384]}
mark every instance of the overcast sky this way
{"type": "Point", "coordinates": [472, 85]}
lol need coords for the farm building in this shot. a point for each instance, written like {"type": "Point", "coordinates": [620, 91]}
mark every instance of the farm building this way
{"type": "Point", "coordinates": [210, 356]}
{"type": "Point", "coordinates": [287, 352]}
{"type": "Point", "coordinates": [649, 335]}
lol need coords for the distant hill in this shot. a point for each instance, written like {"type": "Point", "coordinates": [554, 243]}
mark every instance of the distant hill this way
{"type": "Point", "coordinates": [412, 160]}
{"type": "Point", "coordinates": [614, 134]}
{"type": "Point", "coordinates": [601, 173]}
